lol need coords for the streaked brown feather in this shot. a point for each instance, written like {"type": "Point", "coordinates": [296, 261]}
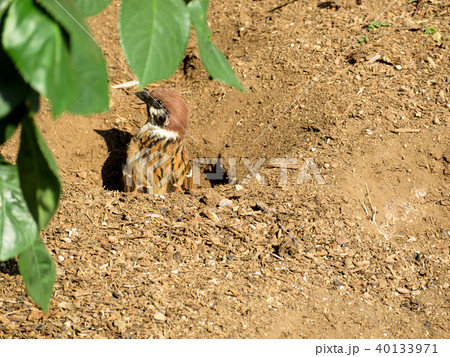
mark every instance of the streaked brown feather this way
{"type": "Point", "coordinates": [159, 167]}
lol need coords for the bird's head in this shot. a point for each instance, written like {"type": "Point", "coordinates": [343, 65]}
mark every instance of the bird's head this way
{"type": "Point", "coordinates": [166, 110]}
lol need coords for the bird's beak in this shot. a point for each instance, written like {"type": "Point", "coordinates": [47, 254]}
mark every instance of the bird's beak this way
{"type": "Point", "coordinates": [143, 95]}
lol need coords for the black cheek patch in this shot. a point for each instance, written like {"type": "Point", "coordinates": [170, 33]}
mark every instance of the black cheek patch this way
{"type": "Point", "coordinates": [160, 116]}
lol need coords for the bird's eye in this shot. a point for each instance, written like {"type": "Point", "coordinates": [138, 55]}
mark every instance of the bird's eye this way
{"type": "Point", "coordinates": [159, 102]}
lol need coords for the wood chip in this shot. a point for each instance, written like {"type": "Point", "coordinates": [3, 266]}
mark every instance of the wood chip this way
{"type": "Point", "coordinates": [405, 130]}
{"type": "Point", "coordinates": [363, 263]}
{"type": "Point", "coordinates": [35, 315]}
{"type": "Point", "coordinates": [211, 215]}
{"type": "Point", "coordinates": [4, 320]}
{"type": "Point", "coordinates": [374, 58]}
{"type": "Point", "coordinates": [403, 290]}
{"type": "Point", "coordinates": [232, 292]}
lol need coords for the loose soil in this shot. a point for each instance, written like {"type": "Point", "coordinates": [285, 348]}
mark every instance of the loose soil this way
{"type": "Point", "coordinates": [365, 255]}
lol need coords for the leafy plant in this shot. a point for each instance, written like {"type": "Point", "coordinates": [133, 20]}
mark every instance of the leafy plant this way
{"type": "Point", "coordinates": [47, 49]}
{"type": "Point", "coordinates": [376, 24]}
{"type": "Point", "coordinates": [430, 30]}
{"type": "Point", "coordinates": [362, 39]}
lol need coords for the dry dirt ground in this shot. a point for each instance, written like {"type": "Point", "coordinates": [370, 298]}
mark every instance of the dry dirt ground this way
{"type": "Point", "coordinates": [365, 255]}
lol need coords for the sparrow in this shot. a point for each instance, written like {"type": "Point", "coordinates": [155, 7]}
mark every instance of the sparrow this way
{"type": "Point", "coordinates": [157, 161]}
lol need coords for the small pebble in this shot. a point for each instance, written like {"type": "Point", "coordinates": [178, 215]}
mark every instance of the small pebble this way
{"type": "Point", "coordinates": [61, 258]}
{"type": "Point", "coordinates": [159, 317]}
{"type": "Point", "coordinates": [403, 290]}
{"type": "Point", "coordinates": [225, 202]}
{"type": "Point", "coordinates": [112, 239]}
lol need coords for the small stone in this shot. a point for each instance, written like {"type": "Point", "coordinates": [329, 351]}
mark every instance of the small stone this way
{"type": "Point", "coordinates": [436, 121]}
{"type": "Point", "coordinates": [403, 290]}
{"type": "Point", "coordinates": [65, 305]}
{"type": "Point", "coordinates": [61, 258]}
{"type": "Point", "coordinates": [238, 187]}
{"type": "Point", "coordinates": [225, 202]}
{"type": "Point", "coordinates": [340, 239]}
{"type": "Point", "coordinates": [211, 199]}
{"type": "Point", "coordinates": [159, 317]}
{"type": "Point", "coordinates": [113, 239]}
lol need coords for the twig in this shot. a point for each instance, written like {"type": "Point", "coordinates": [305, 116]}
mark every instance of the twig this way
{"type": "Point", "coordinates": [281, 6]}
{"type": "Point", "coordinates": [374, 211]}
{"type": "Point", "coordinates": [372, 207]}
{"type": "Point", "coordinates": [276, 256]}
{"type": "Point", "coordinates": [365, 208]}
{"type": "Point", "coordinates": [405, 130]}
{"type": "Point", "coordinates": [126, 85]}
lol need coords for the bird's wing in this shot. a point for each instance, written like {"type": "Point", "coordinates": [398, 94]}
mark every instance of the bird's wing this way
{"type": "Point", "coordinates": [181, 178]}
{"type": "Point", "coordinates": [156, 166]}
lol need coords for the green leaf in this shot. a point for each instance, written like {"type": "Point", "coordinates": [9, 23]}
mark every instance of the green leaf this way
{"type": "Point", "coordinates": [92, 7]}
{"type": "Point", "coordinates": [4, 5]}
{"type": "Point", "coordinates": [39, 179]}
{"type": "Point", "coordinates": [17, 226]}
{"type": "Point", "coordinates": [38, 271]}
{"type": "Point", "coordinates": [154, 35]}
{"type": "Point", "coordinates": [12, 86]}
{"type": "Point", "coordinates": [38, 48]}
{"type": "Point", "coordinates": [214, 61]}
{"type": "Point", "coordinates": [91, 88]}
{"type": "Point", "coordinates": [9, 124]}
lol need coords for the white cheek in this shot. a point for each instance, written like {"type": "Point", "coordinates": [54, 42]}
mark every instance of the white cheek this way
{"type": "Point", "coordinates": [157, 132]}
{"type": "Point", "coordinates": [165, 134]}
